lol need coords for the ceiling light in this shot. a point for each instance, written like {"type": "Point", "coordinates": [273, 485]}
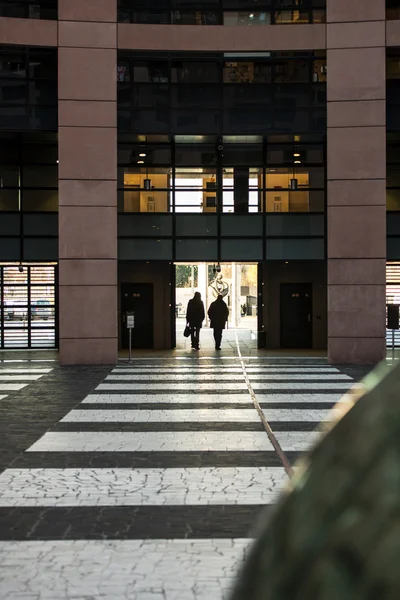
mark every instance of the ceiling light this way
{"type": "Point", "coordinates": [297, 162]}
{"type": "Point", "coordinates": [251, 15]}
{"type": "Point", "coordinates": [140, 162]}
{"type": "Point", "coordinates": [144, 154]}
{"type": "Point", "coordinates": [296, 154]}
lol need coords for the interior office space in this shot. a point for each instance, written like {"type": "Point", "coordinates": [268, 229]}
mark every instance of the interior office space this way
{"type": "Point", "coordinates": [133, 139]}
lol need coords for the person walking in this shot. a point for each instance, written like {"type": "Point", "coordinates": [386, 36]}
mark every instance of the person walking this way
{"type": "Point", "coordinates": [195, 315]}
{"type": "Point", "coordinates": [218, 313]}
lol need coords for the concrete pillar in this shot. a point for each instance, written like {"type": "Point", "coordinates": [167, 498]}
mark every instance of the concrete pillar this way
{"type": "Point", "coordinates": [87, 34]}
{"type": "Point", "coordinates": [356, 181]}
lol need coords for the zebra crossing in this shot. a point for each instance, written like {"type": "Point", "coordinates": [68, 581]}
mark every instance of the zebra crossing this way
{"type": "Point", "coordinates": [150, 488]}
{"type": "Point", "coordinates": [16, 379]}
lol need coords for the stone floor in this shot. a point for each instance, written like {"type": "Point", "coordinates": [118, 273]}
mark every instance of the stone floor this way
{"type": "Point", "coordinates": [145, 481]}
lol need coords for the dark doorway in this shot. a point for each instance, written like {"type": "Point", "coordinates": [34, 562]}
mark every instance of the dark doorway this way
{"type": "Point", "coordinates": [138, 298]}
{"type": "Point", "coordinates": [296, 315]}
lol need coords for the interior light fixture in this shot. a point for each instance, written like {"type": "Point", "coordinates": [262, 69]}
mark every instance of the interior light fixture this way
{"type": "Point", "coordinates": [144, 154]}
{"type": "Point", "coordinates": [297, 162]}
{"type": "Point", "coordinates": [58, 162]}
{"type": "Point", "coordinates": [251, 15]}
{"type": "Point", "coordinates": [296, 154]}
{"type": "Point", "coordinates": [140, 162]}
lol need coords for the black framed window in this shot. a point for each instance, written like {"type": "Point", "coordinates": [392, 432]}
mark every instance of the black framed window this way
{"type": "Point", "coordinates": [28, 173]}
{"type": "Point", "coordinates": [28, 88]}
{"type": "Point", "coordinates": [29, 9]}
{"type": "Point", "coordinates": [222, 93]}
{"type": "Point", "coordinates": [393, 90]}
{"type": "Point", "coordinates": [392, 9]}
{"type": "Point", "coordinates": [393, 172]}
{"type": "Point", "coordinates": [252, 13]}
{"type": "Point", "coordinates": [28, 314]}
{"type": "Point", "coordinates": [228, 174]}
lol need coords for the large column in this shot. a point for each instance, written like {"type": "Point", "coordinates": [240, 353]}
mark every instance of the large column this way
{"type": "Point", "coordinates": [356, 181]}
{"type": "Point", "coordinates": [87, 34]}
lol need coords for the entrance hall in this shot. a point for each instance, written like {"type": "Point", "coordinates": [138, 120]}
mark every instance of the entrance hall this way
{"type": "Point", "coordinates": [238, 284]}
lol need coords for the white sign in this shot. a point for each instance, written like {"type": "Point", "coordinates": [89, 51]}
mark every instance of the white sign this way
{"type": "Point", "coordinates": [130, 321]}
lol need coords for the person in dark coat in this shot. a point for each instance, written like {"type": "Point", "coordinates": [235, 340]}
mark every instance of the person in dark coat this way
{"type": "Point", "coordinates": [218, 313]}
{"type": "Point", "coordinates": [195, 315]}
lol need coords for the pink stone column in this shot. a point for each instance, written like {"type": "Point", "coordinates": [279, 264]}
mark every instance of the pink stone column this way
{"type": "Point", "coordinates": [87, 40]}
{"type": "Point", "coordinates": [356, 181]}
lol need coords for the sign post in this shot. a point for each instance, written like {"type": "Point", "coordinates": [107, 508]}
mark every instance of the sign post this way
{"type": "Point", "coordinates": [130, 324]}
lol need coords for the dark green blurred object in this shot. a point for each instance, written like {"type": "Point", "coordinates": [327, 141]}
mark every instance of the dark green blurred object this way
{"type": "Point", "coordinates": [336, 534]}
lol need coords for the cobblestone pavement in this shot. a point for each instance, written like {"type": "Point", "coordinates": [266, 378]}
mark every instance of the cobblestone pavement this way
{"type": "Point", "coordinates": [146, 481]}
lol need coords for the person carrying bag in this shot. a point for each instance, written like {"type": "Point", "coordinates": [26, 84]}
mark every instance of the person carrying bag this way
{"type": "Point", "coordinates": [195, 315]}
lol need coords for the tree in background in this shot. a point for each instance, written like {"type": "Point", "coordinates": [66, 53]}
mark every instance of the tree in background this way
{"type": "Point", "coordinates": [183, 276]}
{"type": "Point", "coordinates": [249, 275]}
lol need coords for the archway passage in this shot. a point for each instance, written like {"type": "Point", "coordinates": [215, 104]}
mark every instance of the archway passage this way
{"type": "Point", "coordinates": [237, 283]}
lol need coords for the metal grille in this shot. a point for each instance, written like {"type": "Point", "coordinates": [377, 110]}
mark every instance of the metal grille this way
{"type": "Point", "coordinates": [28, 306]}
{"type": "Point", "coordinates": [393, 296]}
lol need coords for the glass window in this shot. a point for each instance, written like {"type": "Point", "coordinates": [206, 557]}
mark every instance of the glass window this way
{"type": "Point", "coordinates": [151, 72]}
{"type": "Point", "coordinates": [150, 154]}
{"type": "Point", "coordinates": [311, 177]}
{"type": "Point", "coordinates": [195, 121]}
{"type": "Point", "coordinates": [155, 17]}
{"type": "Point", "coordinates": [242, 190]}
{"type": "Point", "coordinates": [393, 67]}
{"type": "Point", "coordinates": [9, 200]}
{"type": "Point", "coordinates": [247, 72]}
{"type": "Point", "coordinates": [196, 190]}
{"type": "Point", "coordinates": [246, 96]}
{"type": "Point", "coordinates": [42, 65]}
{"type": "Point", "coordinates": [147, 178]}
{"type": "Point", "coordinates": [154, 121]}
{"type": "Point", "coordinates": [287, 153]}
{"type": "Point", "coordinates": [13, 65]}
{"type": "Point", "coordinates": [197, 17]}
{"type": "Point", "coordinates": [40, 176]}
{"type": "Point", "coordinates": [145, 190]}
{"type": "Point", "coordinates": [290, 17]}
{"type": "Point", "coordinates": [195, 154]}
{"type": "Point", "coordinates": [192, 96]}
{"type": "Point", "coordinates": [25, 9]}
{"type": "Point", "coordinates": [292, 71]}
{"type": "Point", "coordinates": [242, 154]}
{"type": "Point", "coordinates": [247, 18]}
{"type": "Point", "coordinates": [194, 72]}
{"type": "Point", "coordinates": [393, 176]}
{"type": "Point", "coordinates": [13, 92]}
{"type": "Point", "coordinates": [392, 9]}
{"type": "Point", "coordinates": [194, 201]}
{"type": "Point", "coordinates": [9, 176]}
{"type": "Point", "coordinates": [196, 178]}
{"type": "Point", "coordinates": [149, 96]}
{"type": "Point", "coordinates": [123, 71]}
{"type": "Point", "coordinates": [40, 200]}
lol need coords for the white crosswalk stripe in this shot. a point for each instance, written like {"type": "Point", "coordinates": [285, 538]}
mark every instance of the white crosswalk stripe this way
{"type": "Point", "coordinates": [190, 439]}
{"type": "Point", "coordinates": [195, 377]}
{"type": "Point", "coordinates": [14, 380]}
{"type": "Point", "coordinates": [191, 416]}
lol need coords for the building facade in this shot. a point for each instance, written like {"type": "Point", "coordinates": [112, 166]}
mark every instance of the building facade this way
{"type": "Point", "coordinates": [136, 135]}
